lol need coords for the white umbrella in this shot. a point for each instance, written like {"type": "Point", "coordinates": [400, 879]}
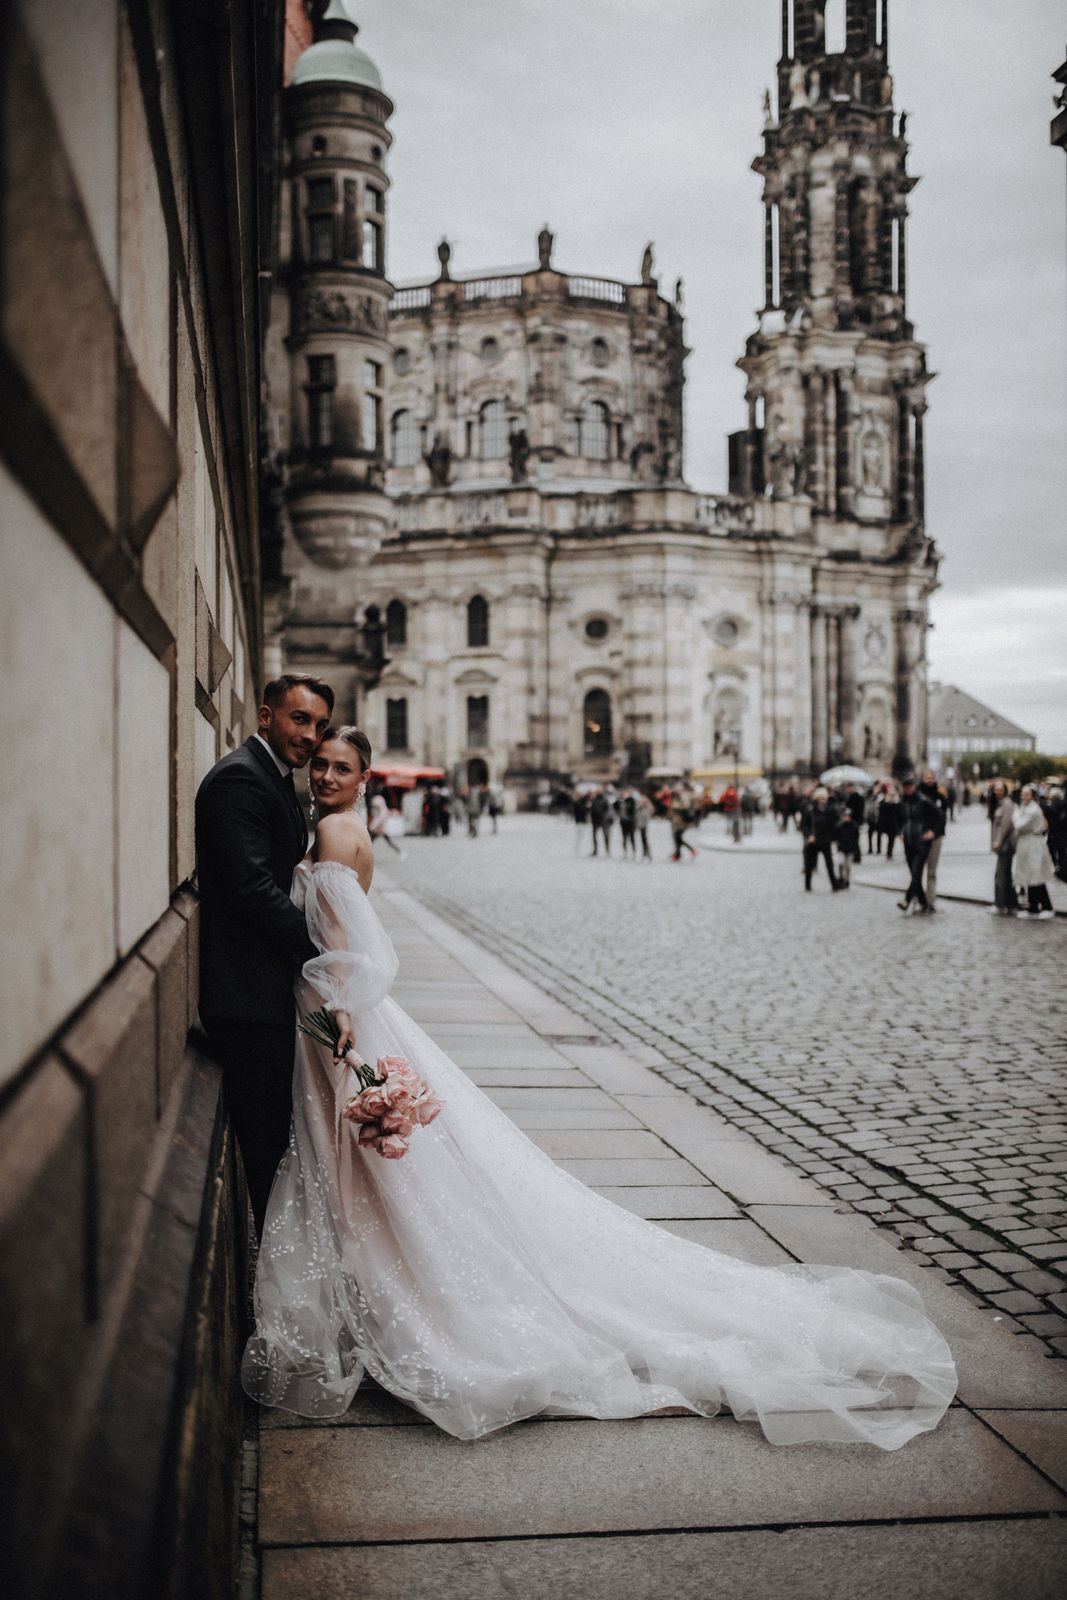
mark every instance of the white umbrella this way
{"type": "Point", "coordinates": [838, 775]}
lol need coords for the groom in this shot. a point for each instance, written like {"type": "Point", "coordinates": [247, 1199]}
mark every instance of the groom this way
{"type": "Point", "coordinates": [250, 834]}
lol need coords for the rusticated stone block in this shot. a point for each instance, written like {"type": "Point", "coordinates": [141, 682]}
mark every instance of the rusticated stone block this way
{"type": "Point", "coordinates": [186, 904]}
{"type": "Point", "coordinates": [166, 950]}
{"type": "Point", "coordinates": [113, 1048]}
{"type": "Point", "coordinates": [43, 1142]}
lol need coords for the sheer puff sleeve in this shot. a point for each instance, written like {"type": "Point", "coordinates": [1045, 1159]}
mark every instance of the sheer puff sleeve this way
{"type": "Point", "coordinates": [358, 964]}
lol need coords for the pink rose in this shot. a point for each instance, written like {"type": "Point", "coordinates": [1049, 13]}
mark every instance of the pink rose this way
{"type": "Point", "coordinates": [397, 1067]}
{"type": "Point", "coordinates": [375, 1101]}
{"type": "Point", "coordinates": [369, 1133]}
{"type": "Point", "coordinates": [426, 1107]}
{"type": "Point", "coordinates": [355, 1111]}
{"type": "Point", "coordinates": [393, 1122]}
{"type": "Point", "coordinates": [392, 1146]}
{"type": "Point", "coordinates": [400, 1097]}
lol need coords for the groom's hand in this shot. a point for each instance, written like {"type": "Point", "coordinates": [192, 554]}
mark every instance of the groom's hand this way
{"type": "Point", "coordinates": [346, 1039]}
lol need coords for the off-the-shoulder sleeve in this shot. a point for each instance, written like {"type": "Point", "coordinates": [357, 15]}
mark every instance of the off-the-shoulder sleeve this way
{"type": "Point", "coordinates": [358, 963]}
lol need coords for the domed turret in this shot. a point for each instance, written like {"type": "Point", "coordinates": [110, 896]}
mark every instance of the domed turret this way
{"type": "Point", "coordinates": [336, 115]}
{"type": "Point", "coordinates": [334, 57]}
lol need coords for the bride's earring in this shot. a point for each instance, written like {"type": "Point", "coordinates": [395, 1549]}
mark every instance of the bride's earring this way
{"type": "Point", "coordinates": [361, 790]}
{"type": "Point", "coordinates": [311, 805]}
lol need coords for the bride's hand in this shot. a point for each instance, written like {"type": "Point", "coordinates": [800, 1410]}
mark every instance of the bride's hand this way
{"type": "Point", "coordinates": [346, 1039]}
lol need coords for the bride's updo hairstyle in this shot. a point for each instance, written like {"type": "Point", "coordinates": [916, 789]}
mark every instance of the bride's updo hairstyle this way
{"type": "Point", "coordinates": [353, 736]}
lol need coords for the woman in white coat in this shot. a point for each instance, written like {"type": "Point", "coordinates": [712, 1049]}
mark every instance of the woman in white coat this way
{"type": "Point", "coordinates": [1033, 865]}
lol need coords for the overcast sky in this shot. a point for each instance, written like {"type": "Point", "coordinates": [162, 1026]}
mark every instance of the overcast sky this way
{"type": "Point", "coordinates": [623, 121]}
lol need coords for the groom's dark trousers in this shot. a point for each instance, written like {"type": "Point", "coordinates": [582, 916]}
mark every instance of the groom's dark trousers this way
{"type": "Point", "coordinates": [250, 834]}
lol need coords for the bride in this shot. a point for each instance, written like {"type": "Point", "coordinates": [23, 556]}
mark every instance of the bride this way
{"type": "Point", "coordinates": [480, 1284]}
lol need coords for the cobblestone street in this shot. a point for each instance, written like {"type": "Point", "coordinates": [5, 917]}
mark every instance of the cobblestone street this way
{"type": "Point", "coordinates": [914, 1067]}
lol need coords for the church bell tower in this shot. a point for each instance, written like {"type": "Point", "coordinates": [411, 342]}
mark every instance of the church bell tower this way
{"type": "Point", "coordinates": [836, 379]}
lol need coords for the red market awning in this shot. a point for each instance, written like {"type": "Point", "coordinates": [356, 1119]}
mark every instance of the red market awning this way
{"type": "Point", "coordinates": [404, 777]}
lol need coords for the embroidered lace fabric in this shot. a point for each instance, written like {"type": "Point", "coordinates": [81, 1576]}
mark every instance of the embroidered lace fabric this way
{"type": "Point", "coordinates": [481, 1284]}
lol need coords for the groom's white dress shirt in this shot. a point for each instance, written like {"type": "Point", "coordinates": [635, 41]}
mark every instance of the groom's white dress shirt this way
{"type": "Point", "coordinates": [285, 771]}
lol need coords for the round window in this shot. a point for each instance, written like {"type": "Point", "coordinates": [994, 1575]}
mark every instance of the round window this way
{"type": "Point", "coordinates": [596, 628]}
{"type": "Point", "coordinates": [402, 360]}
{"type": "Point", "coordinates": [727, 631]}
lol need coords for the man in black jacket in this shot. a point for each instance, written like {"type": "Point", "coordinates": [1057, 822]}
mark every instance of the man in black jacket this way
{"type": "Point", "coordinates": [250, 834]}
{"type": "Point", "coordinates": [821, 817]}
{"type": "Point", "coordinates": [922, 823]}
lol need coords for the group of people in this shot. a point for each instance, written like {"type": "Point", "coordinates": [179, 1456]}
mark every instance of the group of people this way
{"type": "Point", "coordinates": [1021, 826]}
{"type": "Point", "coordinates": [633, 810]}
{"type": "Point", "coordinates": [473, 1278]}
{"type": "Point", "coordinates": [916, 812]}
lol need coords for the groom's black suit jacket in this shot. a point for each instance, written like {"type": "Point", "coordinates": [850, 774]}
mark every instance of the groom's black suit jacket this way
{"type": "Point", "coordinates": [250, 834]}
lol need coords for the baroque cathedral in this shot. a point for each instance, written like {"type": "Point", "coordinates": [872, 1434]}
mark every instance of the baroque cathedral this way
{"type": "Point", "coordinates": [480, 531]}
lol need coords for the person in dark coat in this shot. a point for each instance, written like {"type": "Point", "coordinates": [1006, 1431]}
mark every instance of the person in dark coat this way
{"type": "Point", "coordinates": [889, 819]}
{"type": "Point", "coordinates": [855, 805]}
{"type": "Point", "coordinates": [922, 821]}
{"type": "Point", "coordinates": [821, 817]}
{"type": "Point", "coordinates": [250, 834]}
{"type": "Point", "coordinates": [847, 840]}
{"type": "Point", "coordinates": [601, 815]}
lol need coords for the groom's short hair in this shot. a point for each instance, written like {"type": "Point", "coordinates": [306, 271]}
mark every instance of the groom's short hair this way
{"type": "Point", "coordinates": [276, 690]}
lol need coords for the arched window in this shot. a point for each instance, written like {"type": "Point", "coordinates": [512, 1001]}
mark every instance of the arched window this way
{"type": "Point", "coordinates": [405, 439]}
{"type": "Point", "coordinates": [396, 624]}
{"type": "Point", "coordinates": [477, 623]}
{"type": "Point", "coordinates": [595, 431]}
{"type": "Point", "coordinates": [492, 431]}
{"type": "Point", "coordinates": [597, 720]}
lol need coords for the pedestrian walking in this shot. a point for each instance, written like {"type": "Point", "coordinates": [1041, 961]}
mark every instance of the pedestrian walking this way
{"type": "Point", "coordinates": [846, 839]}
{"type": "Point", "coordinates": [601, 815]}
{"type": "Point", "coordinates": [938, 797]}
{"type": "Point", "coordinates": [642, 818]}
{"type": "Point", "coordinates": [821, 818]}
{"type": "Point", "coordinates": [870, 817]}
{"type": "Point", "coordinates": [627, 821]}
{"type": "Point", "coordinates": [496, 804]}
{"type": "Point", "coordinates": [474, 811]}
{"type": "Point", "coordinates": [920, 819]}
{"type": "Point", "coordinates": [1002, 808]}
{"type": "Point", "coordinates": [1056, 815]}
{"type": "Point", "coordinates": [580, 813]}
{"type": "Point", "coordinates": [381, 822]}
{"type": "Point", "coordinates": [855, 805]}
{"type": "Point", "coordinates": [889, 819]}
{"type": "Point", "coordinates": [1033, 866]}
{"type": "Point", "coordinates": [680, 815]}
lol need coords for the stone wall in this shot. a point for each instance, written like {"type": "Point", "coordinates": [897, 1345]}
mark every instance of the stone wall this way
{"type": "Point", "coordinates": [130, 643]}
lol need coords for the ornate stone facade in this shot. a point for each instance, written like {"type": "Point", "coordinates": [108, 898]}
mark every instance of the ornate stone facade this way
{"type": "Point", "coordinates": [555, 599]}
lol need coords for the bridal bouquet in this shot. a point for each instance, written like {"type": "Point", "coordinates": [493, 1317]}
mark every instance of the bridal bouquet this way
{"type": "Point", "coordinates": [392, 1101]}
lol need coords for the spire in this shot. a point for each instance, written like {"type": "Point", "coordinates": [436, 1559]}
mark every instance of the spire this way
{"type": "Point", "coordinates": [330, 20]}
{"type": "Point", "coordinates": [846, 63]}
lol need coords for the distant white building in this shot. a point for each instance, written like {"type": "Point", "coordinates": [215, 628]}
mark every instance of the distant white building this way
{"type": "Point", "coordinates": [483, 534]}
{"type": "Point", "coordinates": [961, 726]}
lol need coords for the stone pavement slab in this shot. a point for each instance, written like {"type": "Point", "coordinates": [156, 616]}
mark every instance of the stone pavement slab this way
{"type": "Point", "coordinates": [604, 1144]}
{"type": "Point", "coordinates": [1022, 1559]}
{"type": "Point", "coordinates": [340, 1485]}
{"type": "Point", "coordinates": [656, 1203]}
{"type": "Point", "coordinates": [1041, 1436]}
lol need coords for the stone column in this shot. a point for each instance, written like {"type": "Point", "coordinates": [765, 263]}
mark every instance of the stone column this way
{"type": "Point", "coordinates": [909, 626]}
{"type": "Point", "coordinates": [832, 625]}
{"type": "Point", "coordinates": [830, 441]}
{"type": "Point", "coordinates": [847, 701]}
{"type": "Point", "coordinates": [905, 462]}
{"type": "Point", "coordinates": [820, 728]}
{"type": "Point", "coordinates": [817, 486]}
{"type": "Point", "coordinates": [768, 253]}
{"type": "Point", "coordinates": [846, 433]}
{"type": "Point", "coordinates": [919, 467]}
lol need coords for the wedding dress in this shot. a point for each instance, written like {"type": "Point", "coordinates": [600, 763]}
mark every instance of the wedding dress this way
{"type": "Point", "coordinates": [481, 1284]}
